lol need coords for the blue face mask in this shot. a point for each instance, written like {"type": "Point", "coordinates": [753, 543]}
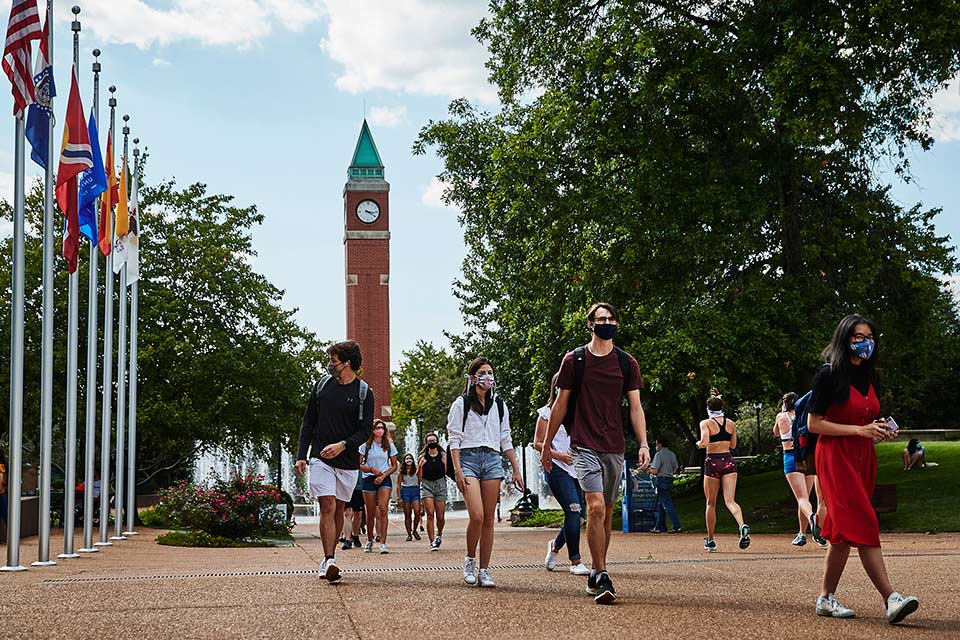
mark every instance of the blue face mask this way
{"type": "Point", "coordinates": [863, 350]}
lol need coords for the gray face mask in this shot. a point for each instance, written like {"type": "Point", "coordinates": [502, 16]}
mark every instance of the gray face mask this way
{"type": "Point", "coordinates": [334, 369]}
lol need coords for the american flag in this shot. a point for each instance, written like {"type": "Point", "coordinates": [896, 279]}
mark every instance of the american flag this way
{"type": "Point", "coordinates": [24, 26]}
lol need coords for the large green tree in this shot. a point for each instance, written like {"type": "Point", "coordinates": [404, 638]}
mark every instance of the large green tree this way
{"type": "Point", "coordinates": [711, 168]}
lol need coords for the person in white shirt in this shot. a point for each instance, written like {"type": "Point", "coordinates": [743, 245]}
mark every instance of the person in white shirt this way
{"type": "Point", "coordinates": [378, 461]}
{"type": "Point", "coordinates": [478, 428]}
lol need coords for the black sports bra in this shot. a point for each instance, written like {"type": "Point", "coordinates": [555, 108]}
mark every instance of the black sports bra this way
{"type": "Point", "coordinates": [723, 435]}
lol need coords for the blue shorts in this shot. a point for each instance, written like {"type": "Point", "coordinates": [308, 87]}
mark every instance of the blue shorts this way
{"type": "Point", "coordinates": [789, 462]}
{"type": "Point", "coordinates": [410, 494]}
{"type": "Point", "coordinates": [370, 487]}
{"type": "Point", "coordinates": [482, 463]}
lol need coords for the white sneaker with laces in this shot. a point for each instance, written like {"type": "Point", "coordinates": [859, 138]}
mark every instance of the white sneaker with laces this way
{"type": "Point", "coordinates": [486, 580]}
{"type": "Point", "coordinates": [332, 572]}
{"type": "Point", "coordinates": [470, 571]}
{"type": "Point", "coordinates": [899, 607]}
{"type": "Point", "coordinates": [323, 568]}
{"type": "Point", "coordinates": [831, 608]}
{"type": "Point", "coordinates": [368, 547]}
{"type": "Point", "coordinates": [579, 569]}
{"type": "Point", "coordinates": [383, 549]}
{"type": "Point", "coordinates": [551, 561]}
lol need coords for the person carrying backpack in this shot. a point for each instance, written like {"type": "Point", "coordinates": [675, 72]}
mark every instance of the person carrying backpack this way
{"type": "Point", "coordinates": [800, 474]}
{"type": "Point", "coordinates": [478, 428]}
{"type": "Point", "coordinates": [338, 419]}
{"type": "Point", "coordinates": [378, 461]}
{"type": "Point", "coordinates": [593, 380]}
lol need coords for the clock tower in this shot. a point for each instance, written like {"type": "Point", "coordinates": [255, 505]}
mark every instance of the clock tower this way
{"type": "Point", "coordinates": [366, 244]}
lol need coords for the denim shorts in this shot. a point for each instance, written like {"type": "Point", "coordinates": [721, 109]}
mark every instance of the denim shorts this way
{"type": "Point", "coordinates": [370, 487]}
{"type": "Point", "coordinates": [410, 494]}
{"type": "Point", "coordinates": [482, 463]}
{"type": "Point", "coordinates": [789, 462]}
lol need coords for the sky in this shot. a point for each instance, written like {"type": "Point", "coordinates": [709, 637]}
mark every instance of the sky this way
{"type": "Point", "coordinates": [264, 100]}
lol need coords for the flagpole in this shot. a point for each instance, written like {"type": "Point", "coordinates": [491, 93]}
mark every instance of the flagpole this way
{"type": "Point", "coordinates": [107, 421]}
{"type": "Point", "coordinates": [132, 421]}
{"type": "Point", "coordinates": [93, 304]}
{"type": "Point", "coordinates": [121, 374]}
{"type": "Point", "coordinates": [46, 367]}
{"type": "Point", "coordinates": [70, 479]}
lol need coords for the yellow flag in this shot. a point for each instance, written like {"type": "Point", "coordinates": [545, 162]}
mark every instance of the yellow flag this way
{"type": "Point", "coordinates": [122, 226]}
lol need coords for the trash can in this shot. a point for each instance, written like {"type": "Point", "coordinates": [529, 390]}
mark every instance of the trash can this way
{"type": "Point", "coordinates": [639, 499]}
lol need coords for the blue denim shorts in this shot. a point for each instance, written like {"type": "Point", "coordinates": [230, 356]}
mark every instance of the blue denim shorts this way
{"type": "Point", "coordinates": [410, 494]}
{"type": "Point", "coordinates": [369, 486]}
{"type": "Point", "coordinates": [482, 463]}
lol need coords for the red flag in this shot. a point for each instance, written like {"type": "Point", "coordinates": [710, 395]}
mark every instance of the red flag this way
{"type": "Point", "coordinates": [75, 157]}
{"type": "Point", "coordinates": [23, 28]}
{"type": "Point", "coordinates": [108, 201]}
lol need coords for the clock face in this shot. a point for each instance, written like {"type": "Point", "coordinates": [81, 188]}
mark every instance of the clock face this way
{"type": "Point", "coordinates": [368, 211]}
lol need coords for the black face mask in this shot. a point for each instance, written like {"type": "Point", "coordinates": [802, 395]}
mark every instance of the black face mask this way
{"type": "Point", "coordinates": [605, 331]}
{"type": "Point", "coordinates": [432, 445]}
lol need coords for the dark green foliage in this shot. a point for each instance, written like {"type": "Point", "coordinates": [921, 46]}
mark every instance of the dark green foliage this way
{"type": "Point", "coordinates": [204, 539]}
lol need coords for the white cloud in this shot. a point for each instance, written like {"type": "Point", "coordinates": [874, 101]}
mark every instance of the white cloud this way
{"type": "Point", "coordinates": [432, 195]}
{"type": "Point", "coordinates": [241, 23]}
{"type": "Point", "coordinates": [414, 46]}
{"type": "Point", "coordinates": [387, 116]}
{"type": "Point", "coordinates": [161, 62]}
{"type": "Point", "coordinates": [946, 113]}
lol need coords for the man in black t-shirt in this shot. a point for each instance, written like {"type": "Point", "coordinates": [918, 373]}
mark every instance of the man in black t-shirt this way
{"type": "Point", "coordinates": [334, 426]}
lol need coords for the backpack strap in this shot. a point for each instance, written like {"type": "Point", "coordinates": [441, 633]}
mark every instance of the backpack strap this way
{"type": "Point", "coordinates": [364, 387]}
{"type": "Point", "coordinates": [466, 408]}
{"type": "Point", "coordinates": [624, 360]}
{"type": "Point", "coordinates": [579, 366]}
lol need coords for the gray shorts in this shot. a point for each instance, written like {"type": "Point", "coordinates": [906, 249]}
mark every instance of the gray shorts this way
{"type": "Point", "coordinates": [436, 489]}
{"type": "Point", "coordinates": [598, 472]}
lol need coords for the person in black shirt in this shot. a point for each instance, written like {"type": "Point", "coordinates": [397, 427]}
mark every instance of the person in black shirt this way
{"type": "Point", "coordinates": [432, 472]}
{"type": "Point", "coordinates": [338, 419]}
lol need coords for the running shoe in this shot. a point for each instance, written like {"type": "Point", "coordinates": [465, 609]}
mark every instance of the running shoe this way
{"type": "Point", "coordinates": [383, 549]}
{"type": "Point", "coordinates": [332, 572]}
{"type": "Point", "coordinates": [434, 546]}
{"type": "Point", "coordinates": [486, 580]}
{"type": "Point", "coordinates": [356, 542]}
{"type": "Point", "coordinates": [416, 535]}
{"type": "Point", "coordinates": [605, 591]}
{"type": "Point", "coordinates": [709, 545]}
{"type": "Point", "coordinates": [899, 607]}
{"type": "Point", "coordinates": [346, 545]}
{"type": "Point", "coordinates": [815, 530]}
{"type": "Point", "coordinates": [409, 537]}
{"type": "Point", "coordinates": [592, 583]}
{"type": "Point", "coordinates": [470, 571]}
{"type": "Point", "coordinates": [550, 563]}
{"type": "Point", "coordinates": [831, 608]}
{"type": "Point", "coordinates": [579, 569]}
{"type": "Point", "coordinates": [368, 548]}
{"type": "Point", "coordinates": [437, 541]}
{"type": "Point", "coordinates": [323, 568]}
{"type": "Point", "coordinates": [744, 536]}
{"type": "Point", "coordinates": [800, 540]}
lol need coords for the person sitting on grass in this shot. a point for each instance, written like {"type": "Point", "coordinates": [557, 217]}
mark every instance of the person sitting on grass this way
{"type": "Point", "coordinates": [914, 455]}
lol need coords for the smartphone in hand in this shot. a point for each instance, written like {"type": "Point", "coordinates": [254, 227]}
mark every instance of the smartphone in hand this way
{"type": "Point", "coordinates": [892, 426]}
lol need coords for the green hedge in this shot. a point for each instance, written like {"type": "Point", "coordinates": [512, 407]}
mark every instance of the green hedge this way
{"type": "Point", "coordinates": [204, 539]}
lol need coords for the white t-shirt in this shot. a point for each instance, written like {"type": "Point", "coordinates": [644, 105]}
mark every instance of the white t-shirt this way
{"type": "Point", "coordinates": [480, 431]}
{"type": "Point", "coordinates": [561, 442]}
{"type": "Point", "coordinates": [377, 458]}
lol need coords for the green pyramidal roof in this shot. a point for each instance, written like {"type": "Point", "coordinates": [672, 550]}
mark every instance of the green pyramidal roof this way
{"type": "Point", "coordinates": [365, 155]}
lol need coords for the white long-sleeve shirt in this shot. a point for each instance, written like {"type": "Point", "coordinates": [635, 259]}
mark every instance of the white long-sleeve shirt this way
{"type": "Point", "coordinates": [479, 431]}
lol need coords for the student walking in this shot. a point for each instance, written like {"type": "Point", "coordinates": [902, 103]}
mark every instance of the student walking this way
{"type": "Point", "coordinates": [593, 379]}
{"type": "Point", "coordinates": [378, 461]}
{"type": "Point", "coordinates": [432, 471]}
{"type": "Point", "coordinates": [479, 431]}
{"type": "Point", "coordinates": [718, 436]}
{"type": "Point", "coordinates": [562, 480]}
{"type": "Point", "coordinates": [408, 494]}
{"type": "Point", "coordinates": [845, 411]}
{"type": "Point", "coordinates": [664, 467]}
{"type": "Point", "coordinates": [353, 518]}
{"type": "Point", "coordinates": [338, 418]}
{"type": "Point", "coordinates": [800, 482]}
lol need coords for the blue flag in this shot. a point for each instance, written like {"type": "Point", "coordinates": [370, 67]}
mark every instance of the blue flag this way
{"type": "Point", "coordinates": [39, 112]}
{"type": "Point", "coordinates": [93, 182]}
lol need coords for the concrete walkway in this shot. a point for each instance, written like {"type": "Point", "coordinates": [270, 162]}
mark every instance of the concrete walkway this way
{"type": "Point", "coordinates": [668, 587]}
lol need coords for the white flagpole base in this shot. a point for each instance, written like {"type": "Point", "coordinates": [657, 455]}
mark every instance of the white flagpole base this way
{"type": "Point", "coordinates": [130, 533]}
{"type": "Point", "coordinates": [48, 563]}
{"type": "Point", "coordinates": [12, 569]}
{"type": "Point", "coordinates": [88, 550]}
{"type": "Point", "coordinates": [117, 538]}
{"type": "Point", "coordinates": [103, 544]}
{"type": "Point", "coordinates": [69, 555]}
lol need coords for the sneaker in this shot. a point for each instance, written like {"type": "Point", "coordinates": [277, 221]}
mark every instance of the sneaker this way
{"type": "Point", "coordinates": [434, 546]}
{"type": "Point", "coordinates": [551, 561]}
{"type": "Point", "coordinates": [800, 540]}
{"type": "Point", "coordinates": [677, 530]}
{"type": "Point", "coordinates": [409, 537]}
{"type": "Point", "coordinates": [815, 530]}
{"type": "Point", "coordinates": [322, 571]}
{"type": "Point", "coordinates": [831, 608]}
{"type": "Point", "coordinates": [470, 571]}
{"type": "Point", "coordinates": [383, 549]}
{"type": "Point", "coordinates": [416, 535]}
{"type": "Point", "coordinates": [592, 583]}
{"type": "Point", "coordinates": [377, 539]}
{"type": "Point", "coordinates": [605, 592]}
{"type": "Point", "coordinates": [899, 607]}
{"type": "Point", "coordinates": [332, 572]}
{"type": "Point", "coordinates": [356, 542]}
{"type": "Point", "coordinates": [438, 540]}
{"type": "Point", "coordinates": [821, 542]}
{"type": "Point", "coordinates": [486, 580]}
{"type": "Point", "coordinates": [579, 569]}
{"type": "Point", "coordinates": [368, 548]}
{"type": "Point", "coordinates": [346, 545]}
{"type": "Point", "coordinates": [744, 536]}
{"type": "Point", "coordinates": [709, 545]}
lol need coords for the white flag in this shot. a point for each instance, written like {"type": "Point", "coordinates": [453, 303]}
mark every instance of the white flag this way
{"type": "Point", "coordinates": [132, 240]}
{"type": "Point", "coordinates": [122, 225]}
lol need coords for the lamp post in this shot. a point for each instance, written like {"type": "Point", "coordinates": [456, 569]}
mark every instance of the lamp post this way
{"type": "Point", "coordinates": [757, 406]}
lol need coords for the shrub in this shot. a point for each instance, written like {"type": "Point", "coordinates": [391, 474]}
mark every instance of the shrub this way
{"type": "Point", "coordinates": [204, 539]}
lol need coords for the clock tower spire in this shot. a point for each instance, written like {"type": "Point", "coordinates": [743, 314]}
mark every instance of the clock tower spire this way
{"type": "Point", "coordinates": [366, 243]}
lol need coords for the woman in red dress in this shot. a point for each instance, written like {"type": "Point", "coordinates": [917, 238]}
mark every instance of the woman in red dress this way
{"type": "Point", "coordinates": [845, 411]}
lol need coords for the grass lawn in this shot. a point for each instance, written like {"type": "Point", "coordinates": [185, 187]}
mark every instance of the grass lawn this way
{"type": "Point", "coordinates": [927, 499]}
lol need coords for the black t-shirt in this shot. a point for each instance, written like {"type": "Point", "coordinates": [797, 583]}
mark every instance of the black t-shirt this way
{"type": "Point", "coordinates": [828, 388]}
{"type": "Point", "coordinates": [432, 466]}
{"type": "Point", "coordinates": [332, 416]}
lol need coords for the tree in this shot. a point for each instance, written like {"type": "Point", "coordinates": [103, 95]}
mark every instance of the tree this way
{"type": "Point", "coordinates": [712, 170]}
{"type": "Point", "coordinates": [428, 381]}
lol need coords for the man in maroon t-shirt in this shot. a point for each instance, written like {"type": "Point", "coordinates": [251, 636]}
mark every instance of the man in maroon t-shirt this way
{"type": "Point", "coordinates": [596, 435]}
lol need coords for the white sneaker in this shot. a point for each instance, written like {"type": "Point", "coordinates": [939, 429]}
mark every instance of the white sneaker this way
{"type": "Point", "coordinates": [323, 568]}
{"type": "Point", "coordinates": [383, 549]}
{"type": "Point", "coordinates": [551, 562]}
{"type": "Point", "coordinates": [899, 607]}
{"type": "Point", "coordinates": [332, 572]}
{"type": "Point", "coordinates": [486, 580]}
{"type": "Point", "coordinates": [830, 607]}
{"type": "Point", "coordinates": [368, 548]}
{"type": "Point", "coordinates": [470, 571]}
{"type": "Point", "coordinates": [580, 569]}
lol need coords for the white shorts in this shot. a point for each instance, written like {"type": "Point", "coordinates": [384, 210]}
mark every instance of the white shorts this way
{"type": "Point", "coordinates": [330, 481]}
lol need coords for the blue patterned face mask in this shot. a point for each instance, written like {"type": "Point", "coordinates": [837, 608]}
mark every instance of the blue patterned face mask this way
{"type": "Point", "coordinates": [864, 349]}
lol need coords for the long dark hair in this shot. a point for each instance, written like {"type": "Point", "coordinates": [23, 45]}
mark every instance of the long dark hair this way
{"type": "Point", "coordinates": [789, 401]}
{"type": "Point", "coordinates": [553, 389]}
{"type": "Point", "coordinates": [384, 441]}
{"type": "Point", "coordinates": [412, 466]}
{"type": "Point", "coordinates": [912, 445]}
{"type": "Point", "coordinates": [423, 451]}
{"type": "Point", "coordinates": [837, 353]}
{"type": "Point", "coordinates": [470, 389]}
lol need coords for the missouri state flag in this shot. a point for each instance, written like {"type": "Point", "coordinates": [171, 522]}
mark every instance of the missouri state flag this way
{"type": "Point", "coordinates": [39, 112]}
{"type": "Point", "coordinates": [75, 156]}
{"type": "Point", "coordinates": [108, 201]}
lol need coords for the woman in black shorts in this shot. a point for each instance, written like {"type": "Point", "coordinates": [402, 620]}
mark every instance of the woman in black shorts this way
{"type": "Point", "coordinates": [718, 435]}
{"type": "Point", "coordinates": [353, 518]}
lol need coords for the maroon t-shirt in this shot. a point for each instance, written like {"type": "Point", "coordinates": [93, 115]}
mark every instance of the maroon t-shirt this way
{"type": "Point", "coordinates": [598, 424]}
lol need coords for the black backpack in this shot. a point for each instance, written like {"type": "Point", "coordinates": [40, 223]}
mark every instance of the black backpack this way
{"type": "Point", "coordinates": [466, 409]}
{"type": "Point", "coordinates": [804, 442]}
{"type": "Point", "coordinates": [579, 366]}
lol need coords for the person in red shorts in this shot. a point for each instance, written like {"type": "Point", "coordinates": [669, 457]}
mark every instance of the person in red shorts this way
{"type": "Point", "coordinates": [845, 410]}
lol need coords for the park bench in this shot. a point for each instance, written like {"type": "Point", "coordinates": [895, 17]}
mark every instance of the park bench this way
{"type": "Point", "coordinates": [884, 499]}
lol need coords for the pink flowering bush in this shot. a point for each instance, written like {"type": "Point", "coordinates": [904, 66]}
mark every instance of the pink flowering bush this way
{"type": "Point", "coordinates": [235, 507]}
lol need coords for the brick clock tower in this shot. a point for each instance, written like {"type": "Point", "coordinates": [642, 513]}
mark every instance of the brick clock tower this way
{"type": "Point", "coordinates": [366, 244]}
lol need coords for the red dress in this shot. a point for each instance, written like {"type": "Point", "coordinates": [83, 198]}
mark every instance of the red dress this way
{"type": "Point", "coordinates": [847, 469]}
